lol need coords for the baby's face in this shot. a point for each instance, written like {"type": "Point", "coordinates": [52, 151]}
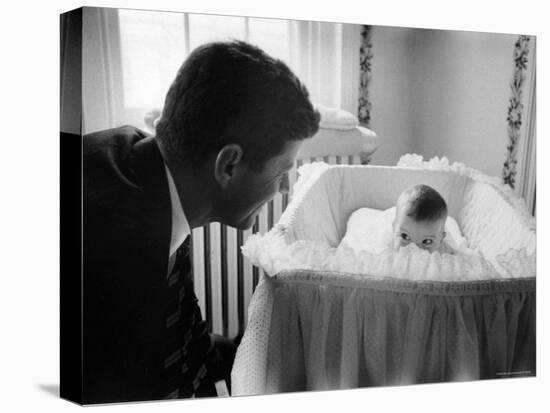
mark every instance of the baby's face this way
{"type": "Point", "coordinates": [427, 235]}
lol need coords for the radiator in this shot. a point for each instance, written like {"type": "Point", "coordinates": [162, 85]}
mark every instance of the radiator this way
{"type": "Point", "coordinates": [224, 279]}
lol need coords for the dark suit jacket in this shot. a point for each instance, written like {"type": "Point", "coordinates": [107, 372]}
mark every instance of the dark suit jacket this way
{"type": "Point", "coordinates": [126, 239]}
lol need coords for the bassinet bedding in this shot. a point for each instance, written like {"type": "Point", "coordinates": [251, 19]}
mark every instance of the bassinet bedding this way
{"type": "Point", "coordinates": [372, 230]}
{"type": "Point", "coordinates": [326, 317]}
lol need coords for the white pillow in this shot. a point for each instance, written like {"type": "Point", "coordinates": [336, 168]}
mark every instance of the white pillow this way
{"type": "Point", "coordinates": [334, 118]}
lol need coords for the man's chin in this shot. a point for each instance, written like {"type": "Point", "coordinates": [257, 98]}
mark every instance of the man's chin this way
{"type": "Point", "coordinates": [247, 222]}
{"type": "Point", "coordinates": [242, 224]}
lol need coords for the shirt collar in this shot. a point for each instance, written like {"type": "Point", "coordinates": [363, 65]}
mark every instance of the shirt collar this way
{"type": "Point", "coordinates": [180, 226]}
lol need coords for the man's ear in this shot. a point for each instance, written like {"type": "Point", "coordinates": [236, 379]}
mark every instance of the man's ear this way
{"type": "Point", "coordinates": [226, 162]}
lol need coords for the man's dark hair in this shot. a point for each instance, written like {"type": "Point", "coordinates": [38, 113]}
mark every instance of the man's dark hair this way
{"type": "Point", "coordinates": [422, 203]}
{"type": "Point", "coordinates": [233, 92]}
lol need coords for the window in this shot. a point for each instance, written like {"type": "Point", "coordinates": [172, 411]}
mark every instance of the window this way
{"type": "Point", "coordinates": [139, 54]}
{"type": "Point", "coordinates": [151, 46]}
{"type": "Point", "coordinates": [154, 44]}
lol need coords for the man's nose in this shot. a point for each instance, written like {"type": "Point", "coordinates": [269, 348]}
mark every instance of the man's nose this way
{"type": "Point", "coordinates": [285, 185]}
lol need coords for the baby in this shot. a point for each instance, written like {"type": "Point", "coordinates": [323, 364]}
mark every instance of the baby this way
{"type": "Point", "coordinates": [420, 217]}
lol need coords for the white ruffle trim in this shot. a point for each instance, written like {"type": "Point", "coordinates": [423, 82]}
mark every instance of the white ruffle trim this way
{"type": "Point", "coordinates": [271, 253]}
{"type": "Point", "coordinates": [308, 174]}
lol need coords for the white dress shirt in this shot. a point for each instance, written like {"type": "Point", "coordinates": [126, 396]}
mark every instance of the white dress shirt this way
{"type": "Point", "coordinates": [180, 231]}
{"type": "Point", "coordinates": [180, 226]}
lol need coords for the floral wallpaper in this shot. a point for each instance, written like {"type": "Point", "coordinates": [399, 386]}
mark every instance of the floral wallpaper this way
{"type": "Point", "coordinates": [365, 62]}
{"type": "Point", "coordinates": [515, 110]}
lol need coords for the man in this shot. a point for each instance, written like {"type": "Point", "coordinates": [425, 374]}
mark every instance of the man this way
{"type": "Point", "coordinates": [232, 124]}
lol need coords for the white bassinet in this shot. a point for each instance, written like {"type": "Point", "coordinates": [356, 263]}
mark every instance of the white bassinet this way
{"type": "Point", "coordinates": [325, 317]}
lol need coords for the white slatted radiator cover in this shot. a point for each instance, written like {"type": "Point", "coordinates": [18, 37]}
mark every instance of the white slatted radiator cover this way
{"type": "Point", "coordinates": [224, 279]}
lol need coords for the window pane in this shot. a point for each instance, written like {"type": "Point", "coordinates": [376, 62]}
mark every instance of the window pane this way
{"type": "Point", "coordinates": [153, 46]}
{"type": "Point", "coordinates": [152, 49]}
{"type": "Point", "coordinates": [204, 28]}
{"type": "Point", "coordinates": [271, 35]}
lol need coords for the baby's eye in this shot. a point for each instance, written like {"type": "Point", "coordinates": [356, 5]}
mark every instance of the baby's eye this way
{"type": "Point", "coordinates": [405, 236]}
{"type": "Point", "coordinates": [427, 241]}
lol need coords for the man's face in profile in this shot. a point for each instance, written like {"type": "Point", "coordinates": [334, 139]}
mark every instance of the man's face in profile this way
{"type": "Point", "coordinates": [252, 189]}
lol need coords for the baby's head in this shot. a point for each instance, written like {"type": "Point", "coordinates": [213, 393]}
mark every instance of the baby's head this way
{"type": "Point", "coordinates": [420, 218]}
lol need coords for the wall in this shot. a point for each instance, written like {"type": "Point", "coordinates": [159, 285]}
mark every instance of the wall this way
{"type": "Point", "coordinates": [442, 93]}
{"type": "Point", "coordinates": [391, 92]}
{"type": "Point", "coordinates": [461, 92]}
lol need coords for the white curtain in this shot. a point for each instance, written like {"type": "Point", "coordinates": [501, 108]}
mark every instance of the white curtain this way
{"type": "Point", "coordinates": [131, 57]}
{"type": "Point", "coordinates": [71, 72]}
{"type": "Point", "coordinates": [326, 57]}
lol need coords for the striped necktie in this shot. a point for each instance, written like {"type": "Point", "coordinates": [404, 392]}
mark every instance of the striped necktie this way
{"type": "Point", "coordinates": [188, 344]}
